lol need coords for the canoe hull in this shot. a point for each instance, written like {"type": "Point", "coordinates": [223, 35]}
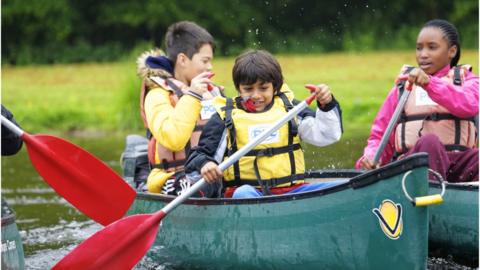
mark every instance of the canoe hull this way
{"type": "Point", "coordinates": [335, 228]}
{"type": "Point", "coordinates": [454, 224]}
{"type": "Point", "coordinates": [12, 249]}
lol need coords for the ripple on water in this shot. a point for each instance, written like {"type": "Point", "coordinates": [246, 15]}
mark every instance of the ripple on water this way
{"type": "Point", "coordinates": [51, 244]}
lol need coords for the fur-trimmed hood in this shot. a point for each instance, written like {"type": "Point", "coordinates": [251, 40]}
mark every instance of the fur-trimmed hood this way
{"type": "Point", "coordinates": [145, 71]}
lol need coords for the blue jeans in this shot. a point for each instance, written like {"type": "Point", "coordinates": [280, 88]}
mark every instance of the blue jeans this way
{"type": "Point", "coordinates": [247, 191]}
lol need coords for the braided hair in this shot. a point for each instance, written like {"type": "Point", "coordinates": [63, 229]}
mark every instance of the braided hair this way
{"type": "Point", "coordinates": [451, 34]}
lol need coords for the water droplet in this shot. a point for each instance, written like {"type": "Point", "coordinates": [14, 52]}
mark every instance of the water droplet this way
{"type": "Point", "coordinates": [256, 31]}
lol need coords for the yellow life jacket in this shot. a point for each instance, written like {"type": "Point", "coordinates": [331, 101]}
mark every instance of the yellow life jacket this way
{"type": "Point", "coordinates": [422, 116]}
{"type": "Point", "coordinates": [159, 156]}
{"type": "Point", "coordinates": [278, 161]}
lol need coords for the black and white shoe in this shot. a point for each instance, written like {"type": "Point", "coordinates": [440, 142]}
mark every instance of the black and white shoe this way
{"type": "Point", "coordinates": [169, 187]}
{"type": "Point", "coordinates": [176, 186]}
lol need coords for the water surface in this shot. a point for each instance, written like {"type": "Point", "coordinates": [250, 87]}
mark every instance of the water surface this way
{"type": "Point", "coordinates": [50, 227]}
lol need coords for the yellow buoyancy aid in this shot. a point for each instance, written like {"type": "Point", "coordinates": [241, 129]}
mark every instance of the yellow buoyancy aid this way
{"type": "Point", "coordinates": [422, 116]}
{"type": "Point", "coordinates": [278, 161]}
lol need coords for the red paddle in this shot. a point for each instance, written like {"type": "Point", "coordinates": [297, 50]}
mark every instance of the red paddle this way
{"type": "Point", "coordinates": [123, 243]}
{"type": "Point", "coordinates": [78, 176]}
{"type": "Point", "coordinates": [393, 121]}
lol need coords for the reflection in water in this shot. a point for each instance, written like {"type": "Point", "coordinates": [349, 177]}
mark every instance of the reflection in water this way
{"type": "Point", "coordinates": [51, 228]}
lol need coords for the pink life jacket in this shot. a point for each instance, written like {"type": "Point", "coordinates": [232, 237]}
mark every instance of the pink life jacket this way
{"type": "Point", "coordinates": [168, 160]}
{"type": "Point", "coordinates": [422, 116]}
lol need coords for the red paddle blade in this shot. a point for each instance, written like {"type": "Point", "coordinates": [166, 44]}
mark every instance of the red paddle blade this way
{"type": "Point", "coordinates": [120, 245]}
{"type": "Point", "coordinates": [82, 179]}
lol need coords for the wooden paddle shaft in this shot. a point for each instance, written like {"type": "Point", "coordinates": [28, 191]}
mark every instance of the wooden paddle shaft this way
{"type": "Point", "coordinates": [391, 125]}
{"type": "Point", "coordinates": [12, 126]}
{"type": "Point", "coordinates": [240, 153]}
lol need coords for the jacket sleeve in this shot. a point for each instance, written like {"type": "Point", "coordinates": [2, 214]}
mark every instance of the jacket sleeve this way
{"type": "Point", "coordinates": [322, 127]}
{"type": "Point", "coordinates": [460, 100]}
{"type": "Point", "coordinates": [378, 129]}
{"type": "Point", "coordinates": [210, 146]}
{"type": "Point", "coordinates": [171, 126]}
{"type": "Point", "coordinates": [11, 143]}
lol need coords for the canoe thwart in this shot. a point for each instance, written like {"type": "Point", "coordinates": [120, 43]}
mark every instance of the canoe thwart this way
{"type": "Point", "coordinates": [425, 200]}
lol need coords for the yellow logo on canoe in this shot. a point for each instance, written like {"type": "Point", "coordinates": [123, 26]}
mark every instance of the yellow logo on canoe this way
{"type": "Point", "coordinates": [389, 216]}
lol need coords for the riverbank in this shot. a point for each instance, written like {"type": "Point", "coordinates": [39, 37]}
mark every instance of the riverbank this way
{"type": "Point", "coordinates": [91, 98]}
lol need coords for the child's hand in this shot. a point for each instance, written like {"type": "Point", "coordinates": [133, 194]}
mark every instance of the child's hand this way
{"type": "Point", "coordinates": [368, 164]}
{"type": "Point", "coordinates": [211, 173]}
{"type": "Point", "coordinates": [418, 76]}
{"type": "Point", "coordinates": [322, 93]}
{"type": "Point", "coordinates": [201, 82]}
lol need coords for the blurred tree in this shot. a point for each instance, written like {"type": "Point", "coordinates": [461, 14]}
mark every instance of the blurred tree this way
{"type": "Point", "coordinates": [52, 31]}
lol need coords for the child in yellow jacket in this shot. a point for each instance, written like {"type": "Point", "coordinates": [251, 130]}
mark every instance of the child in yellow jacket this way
{"type": "Point", "coordinates": [176, 100]}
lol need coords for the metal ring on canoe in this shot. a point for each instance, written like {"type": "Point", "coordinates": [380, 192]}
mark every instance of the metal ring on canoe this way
{"type": "Point", "coordinates": [425, 200]}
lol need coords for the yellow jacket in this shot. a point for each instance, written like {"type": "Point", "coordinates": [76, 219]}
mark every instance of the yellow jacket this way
{"type": "Point", "coordinates": [172, 127]}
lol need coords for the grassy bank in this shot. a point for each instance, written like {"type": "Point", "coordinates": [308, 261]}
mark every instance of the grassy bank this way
{"type": "Point", "coordinates": [104, 97]}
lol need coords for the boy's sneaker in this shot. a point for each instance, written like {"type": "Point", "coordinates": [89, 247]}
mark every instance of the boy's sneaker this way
{"type": "Point", "coordinates": [175, 186]}
{"type": "Point", "coordinates": [168, 188]}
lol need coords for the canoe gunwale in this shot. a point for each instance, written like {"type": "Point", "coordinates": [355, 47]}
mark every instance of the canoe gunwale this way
{"type": "Point", "coordinates": [460, 186]}
{"type": "Point", "coordinates": [360, 180]}
{"type": "Point", "coordinates": [8, 219]}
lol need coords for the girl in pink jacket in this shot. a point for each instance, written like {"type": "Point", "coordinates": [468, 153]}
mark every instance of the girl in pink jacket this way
{"type": "Point", "coordinates": [440, 116]}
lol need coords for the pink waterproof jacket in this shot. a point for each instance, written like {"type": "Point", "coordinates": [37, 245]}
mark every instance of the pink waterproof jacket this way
{"type": "Point", "coordinates": [461, 101]}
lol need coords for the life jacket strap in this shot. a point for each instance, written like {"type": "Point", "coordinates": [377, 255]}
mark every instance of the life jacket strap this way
{"type": "Point", "coordinates": [175, 88]}
{"type": "Point", "coordinates": [165, 164]}
{"type": "Point", "coordinates": [292, 132]}
{"type": "Point", "coordinates": [434, 117]}
{"type": "Point", "coordinates": [273, 182]}
{"type": "Point", "coordinates": [232, 135]}
{"type": "Point", "coordinates": [269, 152]}
{"type": "Point", "coordinates": [263, 184]}
{"type": "Point", "coordinates": [457, 79]}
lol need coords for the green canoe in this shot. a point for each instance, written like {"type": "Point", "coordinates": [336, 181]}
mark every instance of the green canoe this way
{"type": "Point", "coordinates": [365, 223]}
{"type": "Point", "coordinates": [454, 223]}
{"type": "Point", "coordinates": [12, 250]}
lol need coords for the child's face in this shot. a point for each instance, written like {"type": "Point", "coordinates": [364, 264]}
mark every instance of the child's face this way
{"type": "Point", "coordinates": [200, 62]}
{"type": "Point", "coordinates": [261, 94]}
{"type": "Point", "coordinates": [433, 52]}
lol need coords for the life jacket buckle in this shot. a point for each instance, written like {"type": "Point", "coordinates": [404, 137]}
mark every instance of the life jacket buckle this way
{"type": "Point", "coordinates": [433, 117]}
{"type": "Point", "coordinates": [228, 122]}
{"type": "Point", "coordinates": [165, 165]}
{"type": "Point", "coordinates": [457, 81]}
{"type": "Point", "coordinates": [268, 152]}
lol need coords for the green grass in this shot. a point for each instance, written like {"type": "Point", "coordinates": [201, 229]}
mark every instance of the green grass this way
{"type": "Point", "coordinates": [104, 97]}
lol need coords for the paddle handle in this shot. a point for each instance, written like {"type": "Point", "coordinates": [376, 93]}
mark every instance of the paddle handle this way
{"type": "Point", "coordinates": [7, 123]}
{"type": "Point", "coordinates": [240, 153]}
{"type": "Point", "coordinates": [391, 125]}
